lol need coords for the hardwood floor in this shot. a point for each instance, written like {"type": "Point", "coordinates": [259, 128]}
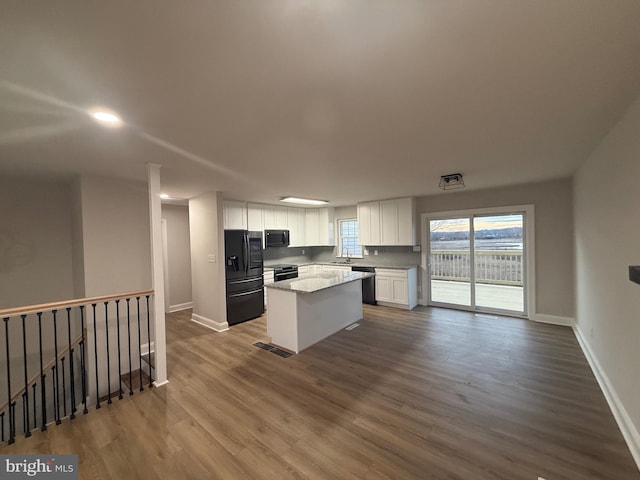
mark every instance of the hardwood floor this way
{"type": "Point", "coordinates": [426, 394]}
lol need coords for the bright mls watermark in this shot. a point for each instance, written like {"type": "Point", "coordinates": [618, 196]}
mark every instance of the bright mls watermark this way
{"type": "Point", "coordinates": [53, 467]}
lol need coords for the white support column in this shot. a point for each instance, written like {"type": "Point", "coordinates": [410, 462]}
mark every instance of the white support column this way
{"type": "Point", "coordinates": [157, 275]}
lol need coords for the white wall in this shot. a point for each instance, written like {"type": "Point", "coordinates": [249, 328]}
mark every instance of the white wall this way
{"type": "Point", "coordinates": [607, 239]}
{"type": "Point", "coordinates": [179, 254]}
{"type": "Point", "coordinates": [116, 241]}
{"type": "Point", "coordinates": [35, 242]}
{"type": "Point", "coordinates": [553, 233]}
{"type": "Point", "coordinates": [208, 278]}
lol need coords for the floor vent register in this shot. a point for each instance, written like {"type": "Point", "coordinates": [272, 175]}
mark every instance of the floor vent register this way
{"type": "Point", "coordinates": [272, 349]}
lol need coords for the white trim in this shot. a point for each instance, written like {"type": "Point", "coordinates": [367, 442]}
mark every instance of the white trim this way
{"type": "Point", "coordinates": [207, 322]}
{"type": "Point", "coordinates": [165, 262]}
{"type": "Point", "coordinates": [160, 384]}
{"type": "Point", "coordinates": [529, 245]}
{"type": "Point", "coordinates": [180, 306]}
{"type": "Point", "coordinates": [625, 424]}
{"type": "Point", "coordinates": [553, 319]}
{"type": "Point", "coordinates": [144, 348]}
{"type": "Point", "coordinates": [157, 271]}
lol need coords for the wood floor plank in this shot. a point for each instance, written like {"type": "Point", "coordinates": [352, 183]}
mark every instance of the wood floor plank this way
{"type": "Point", "coordinates": [422, 394]}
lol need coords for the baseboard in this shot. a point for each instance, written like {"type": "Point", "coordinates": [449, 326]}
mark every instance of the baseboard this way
{"type": "Point", "coordinates": [180, 306]}
{"type": "Point", "coordinates": [626, 426]}
{"type": "Point", "coordinates": [207, 322]}
{"type": "Point", "coordinates": [160, 384]}
{"type": "Point", "coordinates": [144, 348]}
{"type": "Point", "coordinates": [553, 319]}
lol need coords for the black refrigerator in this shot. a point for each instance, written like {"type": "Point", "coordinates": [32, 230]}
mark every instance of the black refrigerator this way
{"type": "Point", "coordinates": [243, 260]}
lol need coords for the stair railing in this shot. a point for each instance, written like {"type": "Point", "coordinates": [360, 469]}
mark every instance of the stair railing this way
{"type": "Point", "coordinates": [36, 346]}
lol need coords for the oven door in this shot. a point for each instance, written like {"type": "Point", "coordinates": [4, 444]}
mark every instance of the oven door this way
{"type": "Point", "coordinates": [284, 275]}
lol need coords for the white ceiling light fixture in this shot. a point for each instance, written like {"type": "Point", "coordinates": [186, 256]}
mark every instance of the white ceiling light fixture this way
{"type": "Point", "coordinates": [303, 201]}
{"type": "Point", "coordinates": [164, 196]}
{"type": "Point", "coordinates": [106, 117]}
{"type": "Point", "coordinates": [451, 181]}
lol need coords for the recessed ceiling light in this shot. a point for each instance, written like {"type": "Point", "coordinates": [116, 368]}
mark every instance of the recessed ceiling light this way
{"type": "Point", "coordinates": [106, 118]}
{"type": "Point", "coordinates": [304, 201]}
{"type": "Point", "coordinates": [164, 196]}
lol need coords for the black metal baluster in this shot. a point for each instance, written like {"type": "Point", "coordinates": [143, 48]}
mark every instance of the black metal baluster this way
{"type": "Point", "coordinates": [6, 335]}
{"type": "Point", "coordinates": [106, 333]}
{"type": "Point", "coordinates": [25, 409]}
{"type": "Point", "coordinates": [55, 391]}
{"type": "Point", "coordinates": [83, 370]}
{"type": "Point", "coordinates": [12, 422]}
{"type": "Point", "coordinates": [139, 343]}
{"type": "Point", "coordinates": [27, 432]}
{"type": "Point", "coordinates": [149, 340]}
{"type": "Point", "coordinates": [2, 426]}
{"type": "Point", "coordinates": [119, 362]}
{"type": "Point", "coordinates": [43, 388]}
{"type": "Point", "coordinates": [35, 415]}
{"type": "Point", "coordinates": [129, 344]}
{"type": "Point", "coordinates": [71, 373]}
{"type": "Point", "coordinates": [95, 351]}
{"type": "Point", "coordinates": [64, 391]}
{"type": "Point", "coordinates": [55, 349]}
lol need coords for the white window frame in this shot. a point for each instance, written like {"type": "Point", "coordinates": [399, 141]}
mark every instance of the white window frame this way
{"type": "Point", "coordinates": [339, 243]}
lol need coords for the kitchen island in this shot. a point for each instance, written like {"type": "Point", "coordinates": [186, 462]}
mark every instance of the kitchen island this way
{"type": "Point", "coordinates": [304, 310]}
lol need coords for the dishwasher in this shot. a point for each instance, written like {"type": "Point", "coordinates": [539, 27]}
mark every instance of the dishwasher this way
{"type": "Point", "coordinates": [368, 285]}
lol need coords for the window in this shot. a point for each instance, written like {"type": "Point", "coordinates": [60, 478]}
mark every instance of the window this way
{"type": "Point", "coordinates": [349, 239]}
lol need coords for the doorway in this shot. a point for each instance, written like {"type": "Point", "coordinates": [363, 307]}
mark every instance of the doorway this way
{"type": "Point", "coordinates": [479, 260]}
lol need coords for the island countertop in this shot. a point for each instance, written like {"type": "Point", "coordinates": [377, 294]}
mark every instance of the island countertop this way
{"type": "Point", "coordinates": [321, 281]}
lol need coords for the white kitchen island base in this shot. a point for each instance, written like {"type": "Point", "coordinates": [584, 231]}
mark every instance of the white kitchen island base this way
{"type": "Point", "coordinates": [297, 320]}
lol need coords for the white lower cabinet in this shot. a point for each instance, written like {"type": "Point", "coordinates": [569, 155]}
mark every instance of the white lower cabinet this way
{"type": "Point", "coordinates": [335, 268]}
{"type": "Point", "coordinates": [397, 287]}
{"type": "Point", "coordinates": [267, 276]}
{"type": "Point", "coordinates": [303, 270]}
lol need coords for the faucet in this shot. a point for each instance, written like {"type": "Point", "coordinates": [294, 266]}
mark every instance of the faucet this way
{"type": "Point", "coordinates": [347, 249]}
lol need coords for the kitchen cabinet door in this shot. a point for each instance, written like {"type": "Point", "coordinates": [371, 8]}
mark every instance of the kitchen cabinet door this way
{"type": "Point", "coordinates": [255, 222]}
{"type": "Point", "coordinates": [397, 222]}
{"type": "Point", "coordinates": [389, 222]}
{"type": "Point", "coordinates": [235, 215]}
{"type": "Point", "coordinates": [383, 289]}
{"type": "Point", "coordinates": [369, 223]}
{"type": "Point", "coordinates": [295, 238]}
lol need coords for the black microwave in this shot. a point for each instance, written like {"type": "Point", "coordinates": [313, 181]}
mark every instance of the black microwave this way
{"type": "Point", "coordinates": [276, 238]}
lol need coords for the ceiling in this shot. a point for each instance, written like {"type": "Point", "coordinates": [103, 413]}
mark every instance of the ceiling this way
{"type": "Point", "coordinates": [340, 100]}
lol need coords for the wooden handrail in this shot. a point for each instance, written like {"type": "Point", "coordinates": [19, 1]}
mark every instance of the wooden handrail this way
{"type": "Point", "coordinates": [47, 366]}
{"type": "Point", "coordinates": [29, 309]}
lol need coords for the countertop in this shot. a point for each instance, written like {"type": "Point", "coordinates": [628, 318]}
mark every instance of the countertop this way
{"type": "Point", "coordinates": [321, 281]}
{"type": "Point", "coordinates": [352, 264]}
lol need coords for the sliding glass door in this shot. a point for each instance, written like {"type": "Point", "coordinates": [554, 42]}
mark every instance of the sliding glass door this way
{"type": "Point", "coordinates": [477, 262]}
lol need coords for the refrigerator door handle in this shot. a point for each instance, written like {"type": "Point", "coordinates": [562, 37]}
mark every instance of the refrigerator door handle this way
{"type": "Point", "coordinates": [245, 293]}
{"type": "Point", "coordinates": [245, 246]}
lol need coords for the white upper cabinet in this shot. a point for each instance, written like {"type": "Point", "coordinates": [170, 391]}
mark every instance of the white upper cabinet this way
{"type": "Point", "coordinates": [275, 218]}
{"type": "Point", "coordinates": [319, 223]}
{"type": "Point", "coordinates": [296, 221]}
{"type": "Point", "coordinates": [255, 219]}
{"type": "Point", "coordinates": [369, 223]}
{"type": "Point", "coordinates": [235, 215]}
{"type": "Point", "coordinates": [388, 222]}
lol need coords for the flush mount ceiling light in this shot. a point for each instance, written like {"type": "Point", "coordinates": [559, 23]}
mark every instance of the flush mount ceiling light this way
{"type": "Point", "coordinates": [451, 181]}
{"type": "Point", "coordinates": [303, 201]}
{"type": "Point", "coordinates": [106, 117]}
{"type": "Point", "coordinates": [164, 196]}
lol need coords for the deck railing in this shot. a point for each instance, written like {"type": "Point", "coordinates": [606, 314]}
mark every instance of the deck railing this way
{"type": "Point", "coordinates": [76, 344]}
{"type": "Point", "coordinates": [498, 267]}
